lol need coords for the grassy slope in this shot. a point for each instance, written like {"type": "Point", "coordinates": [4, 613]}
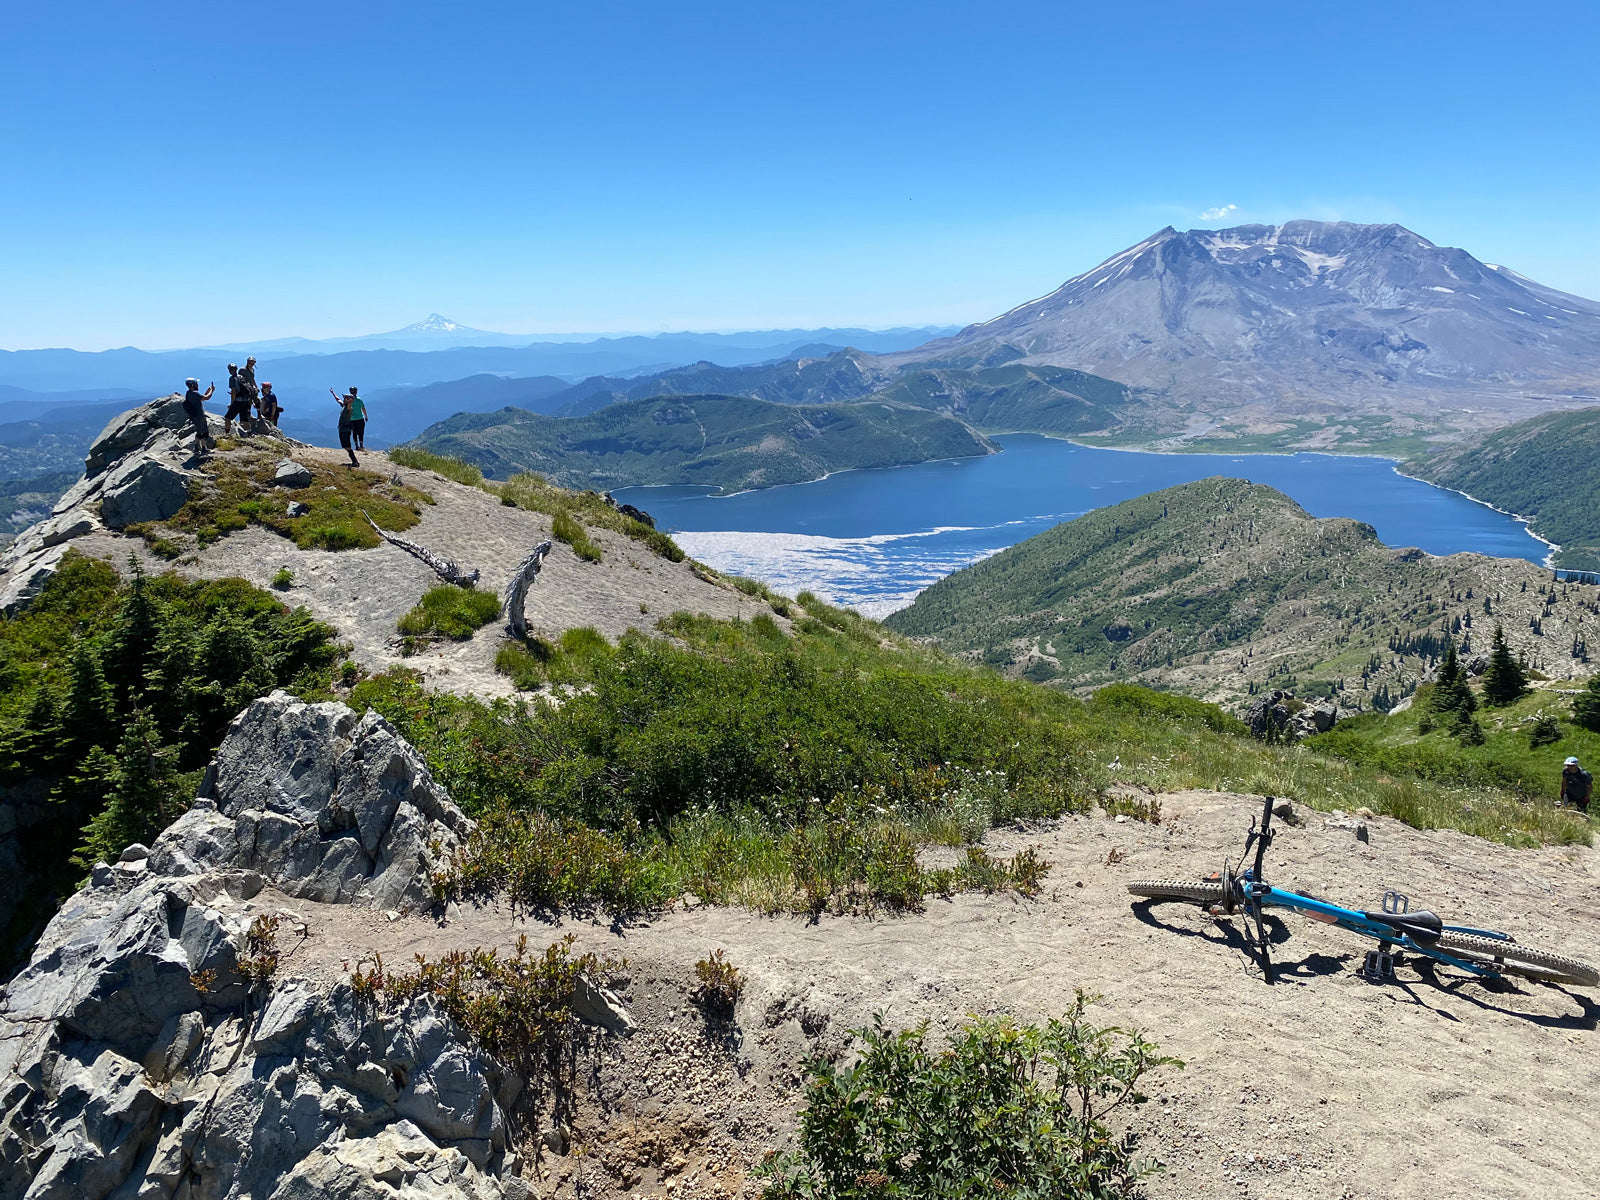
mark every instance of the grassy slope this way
{"type": "Point", "coordinates": [1546, 469]}
{"type": "Point", "coordinates": [731, 442]}
{"type": "Point", "coordinates": [1215, 586]}
{"type": "Point", "coordinates": [1507, 758]}
{"type": "Point", "coordinates": [801, 771]}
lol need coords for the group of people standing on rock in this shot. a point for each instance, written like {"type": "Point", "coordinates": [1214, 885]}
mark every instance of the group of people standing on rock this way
{"type": "Point", "coordinates": [244, 394]}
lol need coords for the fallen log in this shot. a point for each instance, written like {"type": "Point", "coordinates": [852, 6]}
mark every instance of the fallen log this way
{"type": "Point", "coordinates": [444, 568]}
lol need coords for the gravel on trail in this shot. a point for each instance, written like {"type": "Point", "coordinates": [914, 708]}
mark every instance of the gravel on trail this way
{"type": "Point", "coordinates": [1320, 1086]}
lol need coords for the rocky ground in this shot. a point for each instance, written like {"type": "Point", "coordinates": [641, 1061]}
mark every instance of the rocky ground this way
{"type": "Point", "coordinates": [1321, 1085]}
{"type": "Point", "coordinates": [144, 464]}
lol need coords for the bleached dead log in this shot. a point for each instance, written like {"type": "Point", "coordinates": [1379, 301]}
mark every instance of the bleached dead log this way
{"type": "Point", "coordinates": [444, 568]}
{"type": "Point", "coordinates": [517, 589]}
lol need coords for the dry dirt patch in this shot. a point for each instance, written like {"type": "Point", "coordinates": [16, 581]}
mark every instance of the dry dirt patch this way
{"type": "Point", "coordinates": [1320, 1086]}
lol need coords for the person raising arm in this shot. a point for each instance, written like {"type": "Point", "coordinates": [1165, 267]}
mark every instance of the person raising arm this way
{"type": "Point", "coordinates": [345, 403]}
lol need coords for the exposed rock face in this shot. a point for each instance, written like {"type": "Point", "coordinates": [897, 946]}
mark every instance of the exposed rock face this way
{"type": "Point", "coordinates": [323, 803]}
{"type": "Point", "coordinates": [136, 1059]}
{"type": "Point", "coordinates": [148, 486]}
{"type": "Point", "coordinates": [135, 471]}
{"type": "Point", "coordinates": [1279, 713]}
{"type": "Point", "coordinates": [131, 430]}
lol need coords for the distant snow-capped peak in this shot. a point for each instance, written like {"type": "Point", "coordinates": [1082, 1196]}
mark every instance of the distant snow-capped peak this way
{"type": "Point", "coordinates": [434, 324]}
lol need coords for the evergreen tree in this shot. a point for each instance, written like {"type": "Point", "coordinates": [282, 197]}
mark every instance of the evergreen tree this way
{"type": "Point", "coordinates": [1586, 707]}
{"type": "Point", "coordinates": [90, 707]}
{"type": "Point", "coordinates": [1505, 682]}
{"type": "Point", "coordinates": [141, 780]}
{"type": "Point", "coordinates": [1451, 693]}
{"type": "Point", "coordinates": [131, 647]}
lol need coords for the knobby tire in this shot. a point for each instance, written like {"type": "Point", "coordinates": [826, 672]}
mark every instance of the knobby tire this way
{"type": "Point", "coordinates": [1177, 889]}
{"type": "Point", "coordinates": [1520, 959]}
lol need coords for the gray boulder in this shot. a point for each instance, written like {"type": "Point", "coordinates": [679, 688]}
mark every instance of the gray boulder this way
{"type": "Point", "coordinates": [291, 474]}
{"type": "Point", "coordinates": [25, 577]}
{"type": "Point", "coordinates": [132, 429]}
{"type": "Point", "coordinates": [321, 802]}
{"type": "Point", "coordinates": [147, 486]}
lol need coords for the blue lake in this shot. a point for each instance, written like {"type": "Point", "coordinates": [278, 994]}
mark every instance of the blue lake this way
{"type": "Point", "coordinates": [873, 539]}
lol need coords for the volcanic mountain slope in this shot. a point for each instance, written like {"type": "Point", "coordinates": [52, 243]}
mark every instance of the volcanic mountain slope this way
{"type": "Point", "coordinates": [1328, 333]}
{"type": "Point", "coordinates": [1222, 588]}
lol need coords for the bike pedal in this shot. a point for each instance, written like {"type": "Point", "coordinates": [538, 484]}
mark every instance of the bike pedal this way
{"type": "Point", "coordinates": [1378, 967]}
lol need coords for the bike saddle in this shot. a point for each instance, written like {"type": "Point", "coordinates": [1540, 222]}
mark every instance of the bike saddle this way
{"type": "Point", "coordinates": [1421, 926]}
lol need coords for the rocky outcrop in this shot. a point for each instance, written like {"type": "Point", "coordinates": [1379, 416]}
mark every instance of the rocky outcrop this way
{"type": "Point", "coordinates": [1277, 714]}
{"type": "Point", "coordinates": [150, 485]}
{"type": "Point", "coordinates": [322, 803]}
{"type": "Point", "coordinates": [140, 1057]}
{"type": "Point", "coordinates": [136, 470]}
{"type": "Point", "coordinates": [131, 430]}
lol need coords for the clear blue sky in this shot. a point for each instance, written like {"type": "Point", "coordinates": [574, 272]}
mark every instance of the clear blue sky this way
{"type": "Point", "coordinates": [176, 174]}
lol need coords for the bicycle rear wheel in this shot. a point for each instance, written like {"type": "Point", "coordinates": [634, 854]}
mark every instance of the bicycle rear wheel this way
{"type": "Point", "coordinates": [1519, 959]}
{"type": "Point", "coordinates": [1201, 893]}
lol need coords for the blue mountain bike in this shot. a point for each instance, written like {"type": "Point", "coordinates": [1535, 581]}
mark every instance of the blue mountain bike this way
{"type": "Point", "coordinates": [1396, 929]}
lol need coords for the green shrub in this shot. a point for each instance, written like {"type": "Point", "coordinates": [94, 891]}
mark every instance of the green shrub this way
{"type": "Point", "coordinates": [516, 1007]}
{"type": "Point", "coordinates": [1127, 698]}
{"type": "Point", "coordinates": [1586, 706]}
{"type": "Point", "coordinates": [450, 612]}
{"type": "Point", "coordinates": [721, 985]}
{"type": "Point", "coordinates": [283, 580]}
{"type": "Point", "coordinates": [1546, 731]}
{"type": "Point", "coordinates": [440, 464]}
{"type": "Point", "coordinates": [535, 494]}
{"type": "Point", "coordinates": [1005, 1110]}
{"type": "Point", "coordinates": [566, 528]}
{"type": "Point", "coordinates": [551, 866]}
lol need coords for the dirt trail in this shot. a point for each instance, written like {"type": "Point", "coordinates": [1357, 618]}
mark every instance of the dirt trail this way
{"type": "Point", "coordinates": [1320, 1086]}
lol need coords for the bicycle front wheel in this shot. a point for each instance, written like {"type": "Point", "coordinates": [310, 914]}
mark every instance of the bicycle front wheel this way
{"type": "Point", "coordinates": [1202, 893]}
{"type": "Point", "coordinates": [1514, 957]}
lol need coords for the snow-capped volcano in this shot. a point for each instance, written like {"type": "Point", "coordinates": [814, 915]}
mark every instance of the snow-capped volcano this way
{"type": "Point", "coordinates": [1309, 316]}
{"type": "Point", "coordinates": [434, 323]}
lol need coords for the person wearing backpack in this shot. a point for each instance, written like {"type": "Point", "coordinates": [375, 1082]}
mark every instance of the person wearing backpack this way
{"type": "Point", "coordinates": [1576, 786]}
{"type": "Point", "coordinates": [267, 406]}
{"type": "Point", "coordinates": [239, 400]}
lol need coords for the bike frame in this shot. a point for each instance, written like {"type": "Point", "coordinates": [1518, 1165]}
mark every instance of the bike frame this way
{"type": "Point", "coordinates": [1267, 896]}
{"type": "Point", "coordinates": [1250, 893]}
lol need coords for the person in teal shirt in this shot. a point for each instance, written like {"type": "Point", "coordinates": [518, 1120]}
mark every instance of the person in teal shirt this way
{"type": "Point", "coordinates": [347, 422]}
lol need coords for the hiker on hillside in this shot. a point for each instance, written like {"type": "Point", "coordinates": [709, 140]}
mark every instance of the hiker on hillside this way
{"type": "Point", "coordinates": [267, 406]}
{"type": "Point", "coordinates": [346, 405]}
{"type": "Point", "coordinates": [1576, 786]}
{"type": "Point", "coordinates": [194, 407]}
{"type": "Point", "coordinates": [239, 400]}
{"type": "Point", "coordinates": [358, 419]}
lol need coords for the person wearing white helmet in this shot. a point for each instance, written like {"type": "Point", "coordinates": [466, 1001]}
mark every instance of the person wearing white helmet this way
{"type": "Point", "coordinates": [194, 407]}
{"type": "Point", "coordinates": [1576, 786]}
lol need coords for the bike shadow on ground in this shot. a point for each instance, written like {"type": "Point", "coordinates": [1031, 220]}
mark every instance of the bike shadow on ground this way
{"type": "Point", "coordinates": [1222, 932]}
{"type": "Point", "coordinates": [1479, 992]}
{"type": "Point", "coordinates": [1470, 989]}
